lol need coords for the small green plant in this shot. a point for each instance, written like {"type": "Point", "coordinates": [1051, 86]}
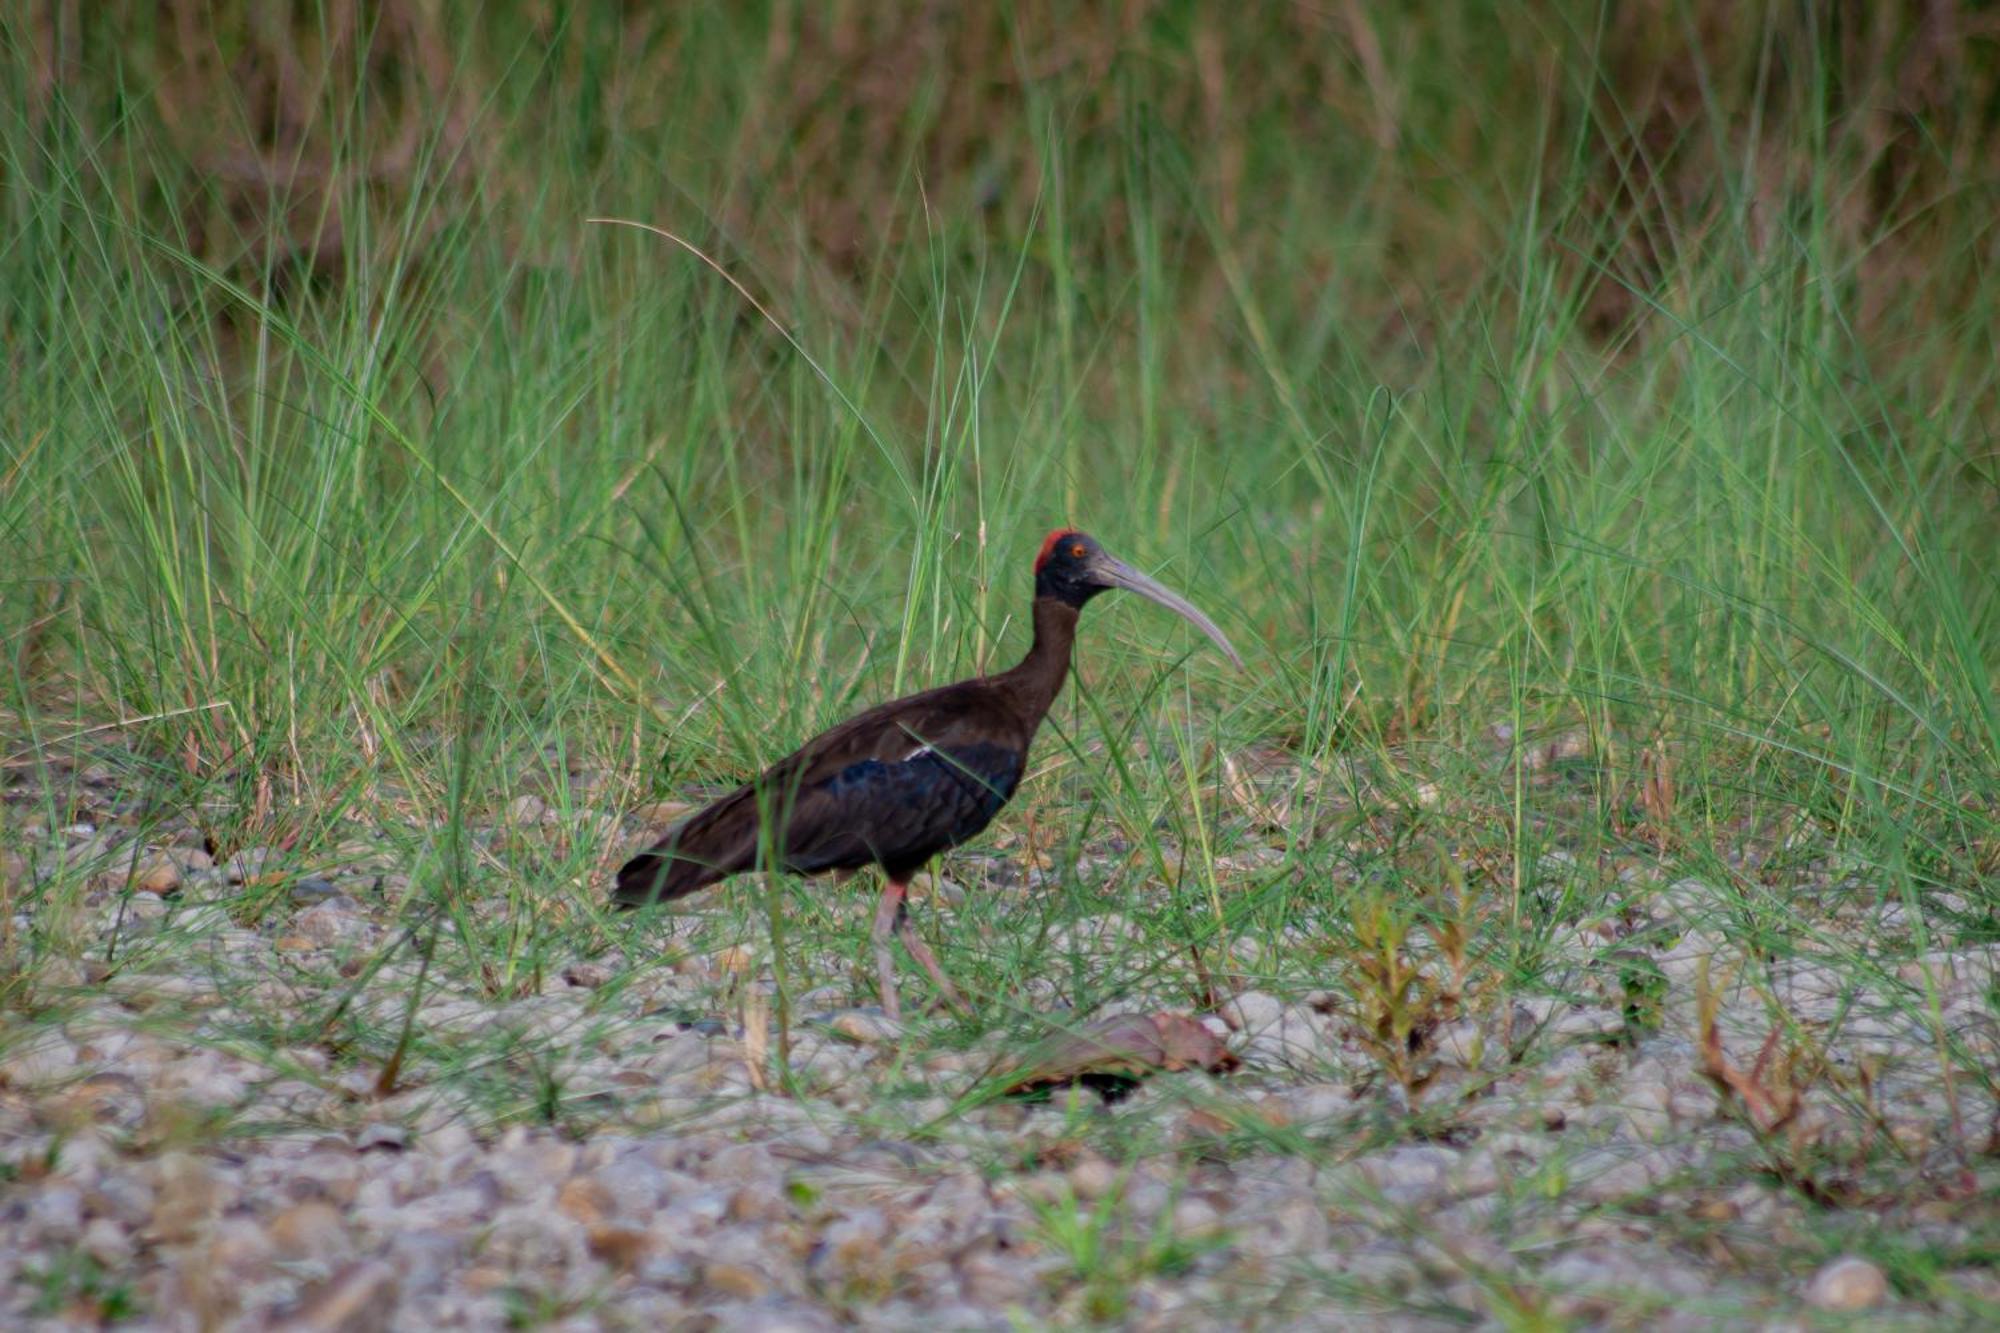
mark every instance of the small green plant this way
{"type": "Point", "coordinates": [537, 1307]}
{"type": "Point", "coordinates": [1106, 1254]}
{"type": "Point", "coordinates": [73, 1285]}
{"type": "Point", "coordinates": [1642, 986]}
{"type": "Point", "coordinates": [1410, 969]}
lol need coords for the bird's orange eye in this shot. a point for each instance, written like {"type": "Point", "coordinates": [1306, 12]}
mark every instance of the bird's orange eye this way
{"type": "Point", "coordinates": [1076, 550]}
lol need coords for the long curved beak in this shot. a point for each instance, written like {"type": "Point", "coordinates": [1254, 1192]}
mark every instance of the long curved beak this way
{"type": "Point", "coordinates": [1118, 574]}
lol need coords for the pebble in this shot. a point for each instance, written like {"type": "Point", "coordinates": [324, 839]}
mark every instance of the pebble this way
{"type": "Point", "coordinates": [989, 1280]}
{"type": "Point", "coordinates": [1847, 1284]}
{"type": "Point", "coordinates": [1589, 1024]}
{"type": "Point", "coordinates": [1093, 1178]}
{"type": "Point", "coordinates": [380, 1137]}
{"type": "Point", "coordinates": [1257, 1011]}
{"type": "Point", "coordinates": [38, 1059]}
{"type": "Point", "coordinates": [742, 1282]}
{"type": "Point", "coordinates": [1409, 1176]}
{"type": "Point", "coordinates": [249, 864]}
{"type": "Point", "coordinates": [56, 1211]}
{"type": "Point", "coordinates": [311, 889]}
{"type": "Point", "coordinates": [1606, 1175]}
{"type": "Point", "coordinates": [158, 873]}
{"type": "Point", "coordinates": [1196, 1217]}
{"type": "Point", "coordinates": [1315, 1103]}
{"type": "Point", "coordinates": [865, 1027]}
{"type": "Point", "coordinates": [1461, 1044]}
{"type": "Point", "coordinates": [589, 973]}
{"type": "Point", "coordinates": [360, 1298]}
{"type": "Point", "coordinates": [338, 920]}
{"type": "Point", "coordinates": [109, 1243]}
{"type": "Point", "coordinates": [310, 1230]}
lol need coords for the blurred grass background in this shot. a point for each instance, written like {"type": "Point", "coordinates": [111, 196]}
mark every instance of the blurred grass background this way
{"type": "Point", "coordinates": [1490, 370]}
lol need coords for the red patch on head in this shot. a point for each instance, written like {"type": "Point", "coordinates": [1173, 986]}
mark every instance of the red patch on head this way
{"type": "Point", "coordinates": [1049, 546]}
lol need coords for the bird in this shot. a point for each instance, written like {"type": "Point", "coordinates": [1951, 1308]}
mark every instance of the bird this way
{"type": "Point", "coordinates": [906, 780]}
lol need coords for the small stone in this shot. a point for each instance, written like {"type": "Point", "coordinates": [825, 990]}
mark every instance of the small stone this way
{"type": "Point", "coordinates": [665, 1270]}
{"type": "Point", "coordinates": [1590, 1272]}
{"type": "Point", "coordinates": [635, 1186]}
{"type": "Point", "coordinates": [48, 1057]}
{"type": "Point", "coordinates": [1462, 1044]}
{"type": "Point", "coordinates": [1410, 1175]}
{"type": "Point", "coordinates": [55, 1212]}
{"type": "Point", "coordinates": [588, 973]}
{"type": "Point", "coordinates": [1294, 1225]}
{"type": "Point", "coordinates": [1093, 1178]}
{"type": "Point", "coordinates": [758, 1201]}
{"type": "Point", "coordinates": [1606, 1175]}
{"type": "Point", "coordinates": [533, 1237]}
{"type": "Point", "coordinates": [736, 1281]}
{"type": "Point", "coordinates": [656, 813]}
{"type": "Point", "coordinates": [312, 889]}
{"type": "Point", "coordinates": [309, 1230]}
{"type": "Point", "coordinates": [1313, 1103]}
{"type": "Point", "coordinates": [1592, 1024]}
{"type": "Point", "coordinates": [185, 1198]}
{"type": "Point", "coordinates": [203, 919]}
{"type": "Point", "coordinates": [867, 1027]}
{"type": "Point", "coordinates": [157, 873]}
{"type": "Point", "coordinates": [104, 1099]}
{"type": "Point", "coordinates": [1475, 1174]}
{"type": "Point", "coordinates": [1196, 1217]}
{"type": "Point", "coordinates": [586, 1199]}
{"type": "Point", "coordinates": [250, 864]}
{"type": "Point", "coordinates": [382, 1138]}
{"type": "Point", "coordinates": [623, 1248]}
{"type": "Point", "coordinates": [776, 1317]}
{"type": "Point", "coordinates": [1258, 1010]}
{"type": "Point", "coordinates": [1848, 1283]}
{"type": "Point", "coordinates": [527, 809]}
{"type": "Point", "coordinates": [990, 1280]}
{"type": "Point", "coordinates": [360, 1298]}
{"type": "Point", "coordinates": [334, 921]}
{"type": "Point", "coordinates": [108, 1243]}
{"type": "Point", "coordinates": [1683, 963]}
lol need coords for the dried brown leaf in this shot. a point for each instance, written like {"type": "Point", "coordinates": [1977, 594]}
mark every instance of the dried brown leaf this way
{"type": "Point", "coordinates": [1114, 1054]}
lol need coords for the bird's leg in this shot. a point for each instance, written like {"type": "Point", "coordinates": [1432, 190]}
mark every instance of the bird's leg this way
{"type": "Point", "coordinates": [888, 911]}
{"type": "Point", "coordinates": [922, 953]}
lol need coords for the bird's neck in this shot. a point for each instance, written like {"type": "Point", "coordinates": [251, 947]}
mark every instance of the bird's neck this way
{"type": "Point", "coordinates": [1040, 674]}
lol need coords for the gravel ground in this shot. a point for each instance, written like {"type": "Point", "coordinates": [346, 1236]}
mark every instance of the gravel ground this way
{"type": "Point", "coordinates": [201, 1128]}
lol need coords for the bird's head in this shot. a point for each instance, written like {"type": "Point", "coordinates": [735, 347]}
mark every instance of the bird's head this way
{"type": "Point", "coordinates": [1072, 568]}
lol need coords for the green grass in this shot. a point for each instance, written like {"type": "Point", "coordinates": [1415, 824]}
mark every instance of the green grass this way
{"type": "Point", "coordinates": [1484, 393]}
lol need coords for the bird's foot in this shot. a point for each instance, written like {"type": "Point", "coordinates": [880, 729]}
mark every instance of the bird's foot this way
{"type": "Point", "coordinates": [885, 980]}
{"type": "Point", "coordinates": [948, 993]}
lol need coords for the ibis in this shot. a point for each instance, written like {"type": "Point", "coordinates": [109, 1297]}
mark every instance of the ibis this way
{"type": "Point", "coordinates": [906, 780]}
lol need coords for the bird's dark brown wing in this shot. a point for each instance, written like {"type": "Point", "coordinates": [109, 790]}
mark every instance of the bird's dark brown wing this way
{"type": "Point", "coordinates": [900, 812]}
{"type": "Point", "coordinates": [896, 784]}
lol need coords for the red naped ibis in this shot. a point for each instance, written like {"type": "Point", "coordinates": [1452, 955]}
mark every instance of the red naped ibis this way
{"type": "Point", "coordinates": [902, 782]}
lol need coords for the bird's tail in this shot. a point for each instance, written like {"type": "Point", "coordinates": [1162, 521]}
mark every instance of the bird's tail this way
{"type": "Point", "coordinates": [658, 876]}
